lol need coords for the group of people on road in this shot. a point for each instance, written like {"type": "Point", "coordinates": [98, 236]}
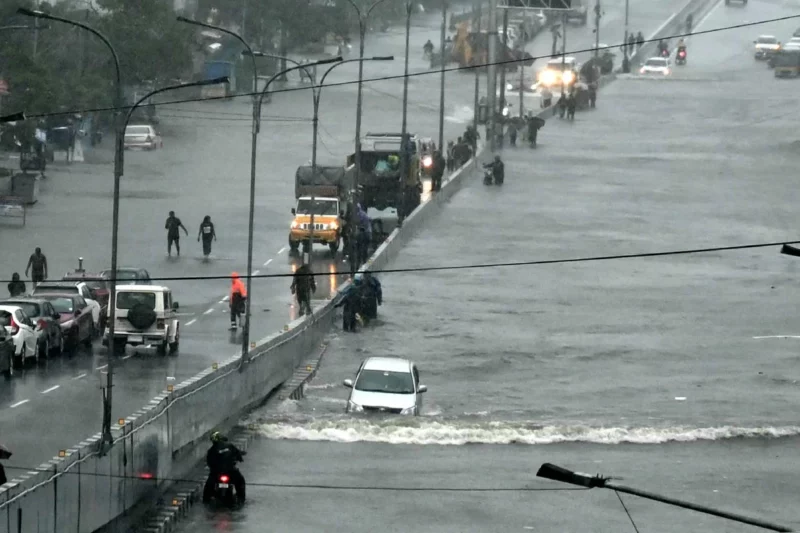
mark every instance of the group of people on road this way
{"type": "Point", "coordinates": [360, 299]}
{"type": "Point", "coordinates": [206, 233]}
{"type": "Point", "coordinates": [461, 151]}
{"type": "Point", "coordinates": [635, 42]}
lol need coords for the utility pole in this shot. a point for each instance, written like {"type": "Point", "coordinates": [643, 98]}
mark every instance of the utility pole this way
{"type": "Point", "coordinates": [597, 29]}
{"type": "Point", "coordinates": [36, 31]}
{"type": "Point", "coordinates": [503, 66]}
{"type": "Point", "coordinates": [404, 148]}
{"type": "Point", "coordinates": [441, 82]}
{"type": "Point", "coordinates": [563, 48]}
{"type": "Point", "coordinates": [477, 25]}
{"type": "Point", "coordinates": [626, 66]}
{"type": "Point", "coordinates": [491, 89]}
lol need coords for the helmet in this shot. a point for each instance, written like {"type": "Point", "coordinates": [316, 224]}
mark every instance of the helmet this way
{"type": "Point", "coordinates": [217, 437]}
{"type": "Point", "coordinates": [358, 278]}
{"type": "Point", "coordinates": [497, 158]}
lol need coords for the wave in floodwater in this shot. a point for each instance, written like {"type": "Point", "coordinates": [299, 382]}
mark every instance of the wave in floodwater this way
{"type": "Point", "coordinates": [420, 431]}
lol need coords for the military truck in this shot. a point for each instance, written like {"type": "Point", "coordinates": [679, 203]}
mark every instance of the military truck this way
{"type": "Point", "coordinates": [381, 183]}
{"type": "Point", "coordinates": [322, 197]}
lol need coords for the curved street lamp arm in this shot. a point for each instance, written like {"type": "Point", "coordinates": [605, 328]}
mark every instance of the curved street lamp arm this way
{"type": "Point", "coordinates": [287, 59]}
{"type": "Point", "coordinates": [232, 34]}
{"type": "Point", "coordinates": [48, 16]}
{"type": "Point", "coordinates": [354, 60]}
{"type": "Point", "coordinates": [212, 81]}
{"type": "Point", "coordinates": [279, 74]}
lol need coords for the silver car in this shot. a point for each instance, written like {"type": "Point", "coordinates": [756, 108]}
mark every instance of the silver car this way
{"type": "Point", "coordinates": [386, 385]}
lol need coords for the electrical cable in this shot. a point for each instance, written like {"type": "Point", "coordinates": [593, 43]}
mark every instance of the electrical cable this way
{"type": "Point", "coordinates": [416, 74]}
{"type": "Point", "coordinates": [539, 262]}
{"type": "Point", "coordinates": [636, 529]}
{"type": "Point", "coordinates": [318, 486]}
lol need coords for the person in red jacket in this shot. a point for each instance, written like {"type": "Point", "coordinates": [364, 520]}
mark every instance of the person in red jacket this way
{"type": "Point", "coordinates": [237, 297]}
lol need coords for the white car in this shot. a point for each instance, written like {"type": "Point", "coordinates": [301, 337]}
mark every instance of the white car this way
{"type": "Point", "coordinates": [656, 65]}
{"type": "Point", "coordinates": [75, 287]}
{"type": "Point", "coordinates": [557, 71]}
{"type": "Point", "coordinates": [766, 46]}
{"type": "Point", "coordinates": [142, 136]}
{"type": "Point", "coordinates": [386, 385]}
{"type": "Point", "coordinates": [145, 316]}
{"type": "Point", "coordinates": [22, 331]}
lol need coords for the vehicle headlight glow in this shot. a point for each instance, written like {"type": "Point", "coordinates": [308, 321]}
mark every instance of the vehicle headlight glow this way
{"type": "Point", "coordinates": [568, 77]}
{"type": "Point", "coordinates": [334, 225]}
{"type": "Point", "coordinates": [354, 407]}
{"type": "Point", "coordinates": [294, 224]}
{"type": "Point", "coordinates": [641, 70]}
{"type": "Point", "coordinates": [509, 87]}
{"type": "Point", "coordinates": [427, 161]}
{"type": "Point", "coordinates": [548, 77]}
{"type": "Point", "coordinates": [408, 411]}
{"type": "Point", "coordinates": [505, 111]}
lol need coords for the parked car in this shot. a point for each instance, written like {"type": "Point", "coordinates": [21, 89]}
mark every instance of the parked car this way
{"type": "Point", "coordinates": [22, 330]}
{"type": "Point", "coordinates": [6, 353]}
{"type": "Point", "coordinates": [75, 319]}
{"type": "Point", "coordinates": [78, 288]}
{"type": "Point", "coordinates": [47, 320]}
{"type": "Point", "coordinates": [142, 136]}
{"type": "Point", "coordinates": [129, 276]}
{"type": "Point", "coordinates": [145, 315]}
{"type": "Point", "coordinates": [386, 385]}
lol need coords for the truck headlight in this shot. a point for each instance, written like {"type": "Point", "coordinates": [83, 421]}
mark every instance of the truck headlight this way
{"type": "Point", "coordinates": [294, 224]}
{"type": "Point", "coordinates": [408, 410]}
{"type": "Point", "coordinates": [354, 407]}
{"type": "Point", "coordinates": [568, 77]}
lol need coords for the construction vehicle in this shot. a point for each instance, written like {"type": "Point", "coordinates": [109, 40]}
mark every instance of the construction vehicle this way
{"type": "Point", "coordinates": [471, 48]}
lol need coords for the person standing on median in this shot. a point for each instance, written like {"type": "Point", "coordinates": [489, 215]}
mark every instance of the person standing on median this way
{"type": "Point", "coordinates": [37, 265]}
{"type": "Point", "coordinates": [173, 225]}
{"type": "Point", "coordinates": [16, 287]}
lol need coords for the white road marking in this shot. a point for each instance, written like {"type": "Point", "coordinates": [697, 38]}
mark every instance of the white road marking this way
{"type": "Point", "coordinates": [653, 35]}
{"type": "Point", "coordinates": [710, 12]}
{"type": "Point", "coordinates": [192, 321]}
{"type": "Point", "coordinates": [101, 367]}
{"type": "Point", "coordinates": [257, 272]}
{"type": "Point", "coordinates": [13, 405]}
{"type": "Point", "coordinates": [128, 356]}
{"type": "Point", "coordinates": [778, 337]}
{"type": "Point", "coordinates": [80, 376]}
{"type": "Point", "coordinates": [51, 389]}
{"type": "Point", "coordinates": [281, 250]}
{"type": "Point", "coordinates": [226, 298]}
{"type": "Point", "coordinates": [209, 311]}
{"type": "Point", "coordinates": [268, 262]}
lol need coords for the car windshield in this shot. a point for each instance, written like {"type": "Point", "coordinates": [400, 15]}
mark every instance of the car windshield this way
{"type": "Point", "coordinates": [658, 63]}
{"type": "Point", "coordinates": [31, 309]}
{"type": "Point", "coordinates": [558, 65]}
{"type": "Point", "coordinates": [63, 305]}
{"type": "Point", "coordinates": [91, 283]}
{"type": "Point", "coordinates": [767, 40]}
{"type": "Point", "coordinates": [319, 207]}
{"type": "Point", "coordinates": [137, 130]}
{"type": "Point", "coordinates": [380, 162]}
{"type": "Point", "coordinates": [385, 381]}
{"type": "Point", "coordinates": [126, 300]}
{"type": "Point", "coordinates": [127, 275]}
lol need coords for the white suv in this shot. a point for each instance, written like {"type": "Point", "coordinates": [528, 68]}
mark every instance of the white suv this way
{"type": "Point", "coordinates": [146, 315]}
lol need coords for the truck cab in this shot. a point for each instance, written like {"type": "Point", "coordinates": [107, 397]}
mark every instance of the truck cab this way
{"type": "Point", "coordinates": [321, 196]}
{"type": "Point", "coordinates": [382, 183]}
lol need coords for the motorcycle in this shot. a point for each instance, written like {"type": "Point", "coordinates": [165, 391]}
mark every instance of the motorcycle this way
{"type": "Point", "coordinates": [488, 176]}
{"type": "Point", "coordinates": [664, 52]}
{"type": "Point", "coordinates": [225, 491]}
{"type": "Point", "coordinates": [680, 57]}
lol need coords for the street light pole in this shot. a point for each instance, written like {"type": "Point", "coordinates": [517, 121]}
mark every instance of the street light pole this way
{"type": "Point", "coordinates": [362, 32]}
{"type": "Point", "coordinates": [441, 75]}
{"type": "Point", "coordinates": [479, 15]}
{"type": "Point", "coordinates": [597, 16]}
{"type": "Point", "coordinates": [404, 149]}
{"type": "Point", "coordinates": [626, 67]}
{"type": "Point", "coordinates": [118, 169]}
{"type": "Point", "coordinates": [251, 216]}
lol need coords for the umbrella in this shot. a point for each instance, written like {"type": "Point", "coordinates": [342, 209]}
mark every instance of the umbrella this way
{"type": "Point", "coordinates": [538, 122]}
{"type": "Point", "coordinates": [5, 453]}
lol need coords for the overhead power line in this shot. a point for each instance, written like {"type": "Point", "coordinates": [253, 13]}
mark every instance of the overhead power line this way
{"type": "Point", "coordinates": [417, 74]}
{"type": "Point", "coordinates": [509, 264]}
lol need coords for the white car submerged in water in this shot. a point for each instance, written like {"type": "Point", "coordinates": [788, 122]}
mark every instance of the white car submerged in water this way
{"type": "Point", "coordinates": [386, 385]}
{"type": "Point", "coordinates": [656, 65]}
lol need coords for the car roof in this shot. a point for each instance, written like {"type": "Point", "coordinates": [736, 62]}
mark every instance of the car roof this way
{"type": "Point", "coordinates": [10, 307]}
{"type": "Point", "coordinates": [657, 58]}
{"type": "Point", "coordinates": [767, 37]}
{"type": "Point", "coordinates": [64, 284]}
{"type": "Point", "coordinates": [46, 295]}
{"type": "Point", "coordinates": [388, 364]}
{"type": "Point", "coordinates": [142, 288]}
{"type": "Point", "coordinates": [568, 59]}
{"type": "Point", "coordinates": [20, 300]}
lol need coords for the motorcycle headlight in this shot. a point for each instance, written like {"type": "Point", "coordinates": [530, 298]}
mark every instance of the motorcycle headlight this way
{"type": "Point", "coordinates": [641, 70]}
{"type": "Point", "coordinates": [408, 411]}
{"type": "Point", "coordinates": [509, 87]}
{"type": "Point", "coordinates": [505, 111]}
{"type": "Point", "coordinates": [354, 407]}
{"type": "Point", "coordinates": [427, 161]}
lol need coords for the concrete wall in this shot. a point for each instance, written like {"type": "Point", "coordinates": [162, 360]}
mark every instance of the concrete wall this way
{"type": "Point", "coordinates": [83, 491]}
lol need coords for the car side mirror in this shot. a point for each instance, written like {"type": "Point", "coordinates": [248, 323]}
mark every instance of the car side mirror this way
{"type": "Point", "coordinates": [294, 211]}
{"type": "Point", "coordinates": [422, 388]}
{"type": "Point", "coordinates": [175, 306]}
{"type": "Point", "coordinates": [348, 383]}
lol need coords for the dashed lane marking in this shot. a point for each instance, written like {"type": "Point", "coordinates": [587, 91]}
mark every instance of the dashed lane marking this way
{"type": "Point", "coordinates": [281, 250]}
{"type": "Point", "coordinates": [267, 262]}
{"type": "Point", "coordinates": [80, 376]}
{"type": "Point", "coordinates": [778, 337]}
{"type": "Point", "coordinates": [208, 311]}
{"type": "Point", "coordinates": [128, 356]}
{"type": "Point", "coordinates": [51, 389]}
{"type": "Point", "coordinates": [101, 367]}
{"type": "Point", "coordinates": [257, 272]}
{"type": "Point", "coordinates": [13, 405]}
{"type": "Point", "coordinates": [192, 321]}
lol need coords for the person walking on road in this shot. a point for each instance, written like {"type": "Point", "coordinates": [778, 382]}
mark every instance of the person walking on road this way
{"type": "Point", "coordinates": [437, 172]}
{"type": "Point", "coordinates": [631, 44]}
{"type": "Point", "coordinates": [37, 265]}
{"type": "Point", "coordinates": [303, 285]}
{"type": "Point", "coordinates": [571, 104]}
{"type": "Point", "coordinates": [639, 40]}
{"type": "Point", "coordinates": [237, 298]}
{"type": "Point", "coordinates": [173, 226]}
{"type": "Point", "coordinates": [16, 287]}
{"type": "Point", "coordinates": [208, 234]}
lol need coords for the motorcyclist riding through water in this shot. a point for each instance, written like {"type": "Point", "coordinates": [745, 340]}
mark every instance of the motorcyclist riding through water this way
{"type": "Point", "coordinates": [663, 48]}
{"type": "Point", "coordinates": [428, 48]}
{"type": "Point", "coordinates": [221, 460]}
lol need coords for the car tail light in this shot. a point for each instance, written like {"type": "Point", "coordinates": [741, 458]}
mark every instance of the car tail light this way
{"type": "Point", "coordinates": [14, 326]}
{"type": "Point", "coordinates": [224, 479]}
{"type": "Point", "coordinates": [42, 323]}
{"type": "Point", "coordinates": [160, 323]}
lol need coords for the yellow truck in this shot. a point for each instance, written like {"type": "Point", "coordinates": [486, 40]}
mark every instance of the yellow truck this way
{"type": "Point", "coordinates": [322, 197]}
